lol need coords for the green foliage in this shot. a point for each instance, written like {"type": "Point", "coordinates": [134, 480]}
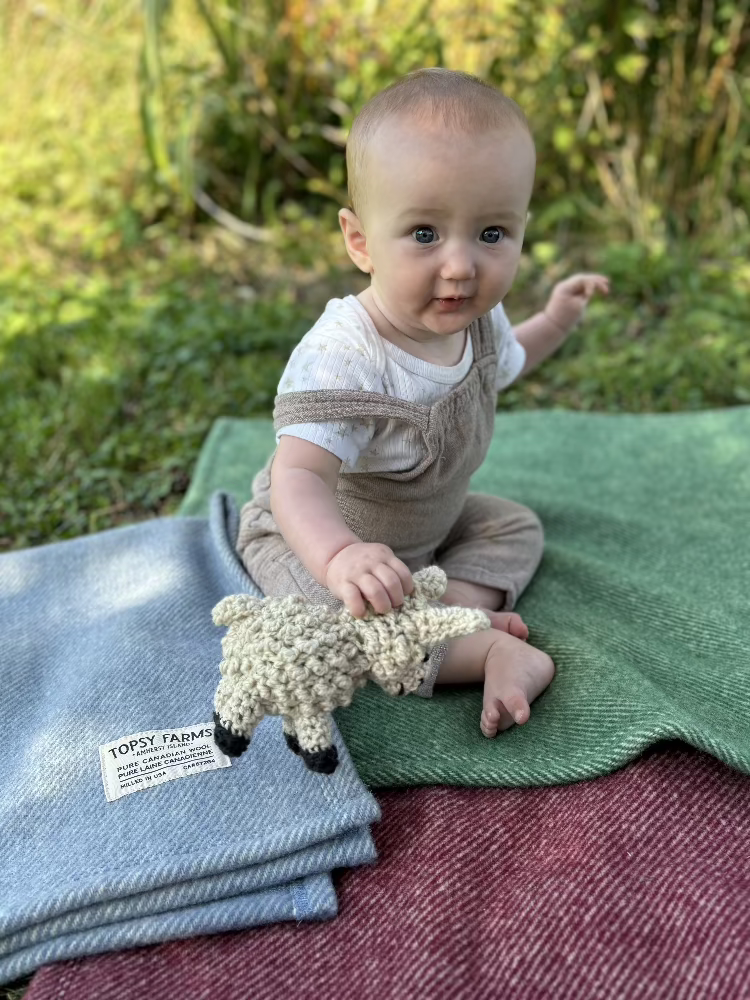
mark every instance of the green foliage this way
{"type": "Point", "coordinates": [115, 388]}
{"type": "Point", "coordinates": [251, 118]}
{"type": "Point", "coordinates": [126, 328]}
{"type": "Point", "coordinates": [646, 111]}
{"type": "Point", "coordinates": [151, 79]}
{"type": "Point", "coordinates": [640, 115]}
{"type": "Point", "coordinates": [669, 339]}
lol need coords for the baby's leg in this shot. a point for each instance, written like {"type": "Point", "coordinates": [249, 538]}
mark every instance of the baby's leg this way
{"type": "Point", "coordinates": [490, 555]}
{"type": "Point", "coordinates": [491, 552]}
{"type": "Point", "coordinates": [513, 672]}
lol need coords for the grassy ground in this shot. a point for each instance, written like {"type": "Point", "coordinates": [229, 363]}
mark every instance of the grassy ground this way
{"type": "Point", "coordinates": [109, 383]}
{"type": "Point", "coordinates": [123, 336]}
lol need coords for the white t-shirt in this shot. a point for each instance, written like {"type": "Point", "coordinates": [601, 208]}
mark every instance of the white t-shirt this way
{"type": "Point", "coordinates": [343, 350]}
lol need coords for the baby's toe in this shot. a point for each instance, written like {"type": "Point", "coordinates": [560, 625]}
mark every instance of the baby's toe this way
{"type": "Point", "coordinates": [518, 627]}
{"type": "Point", "coordinates": [509, 621]}
{"type": "Point", "coordinates": [499, 715]}
{"type": "Point", "coordinates": [488, 723]}
{"type": "Point", "coordinates": [494, 718]}
{"type": "Point", "coordinates": [517, 708]}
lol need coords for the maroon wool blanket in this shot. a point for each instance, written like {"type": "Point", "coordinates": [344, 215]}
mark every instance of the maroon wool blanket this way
{"type": "Point", "coordinates": [632, 885]}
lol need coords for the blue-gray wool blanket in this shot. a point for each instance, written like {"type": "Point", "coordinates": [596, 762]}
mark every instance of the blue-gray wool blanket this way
{"type": "Point", "coordinates": [107, 637]}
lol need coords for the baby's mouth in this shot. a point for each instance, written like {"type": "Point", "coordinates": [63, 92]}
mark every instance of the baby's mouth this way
{"type": "Point", "coordinates": [453, 302]}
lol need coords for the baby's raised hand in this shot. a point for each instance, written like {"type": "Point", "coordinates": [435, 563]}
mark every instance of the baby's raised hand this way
{"type": "Point", "coordinates": [367, 571]}
{"type": "Point", "coordinates": [570, 297]}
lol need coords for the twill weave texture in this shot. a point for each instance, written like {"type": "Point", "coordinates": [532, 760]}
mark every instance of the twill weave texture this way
{"type": "Point", "coordinates": [633, 885]}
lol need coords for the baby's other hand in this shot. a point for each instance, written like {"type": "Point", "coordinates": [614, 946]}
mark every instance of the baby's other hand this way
{"type": "Point", "coordinates": [570, 297]}
{"type": "Point", "coordinates": [365, 571]}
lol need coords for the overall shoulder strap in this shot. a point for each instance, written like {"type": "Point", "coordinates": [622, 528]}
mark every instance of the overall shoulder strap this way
{"type": "Point", "coordinates": [482, 336]}
{"type": "Point", "coordinates": [346, 404]}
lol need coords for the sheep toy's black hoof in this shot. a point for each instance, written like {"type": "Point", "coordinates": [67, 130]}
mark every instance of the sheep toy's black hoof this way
{"type": "Point", "coordinates": [321, 761]}
{"type": "Point", "coordinates": [228, 743]}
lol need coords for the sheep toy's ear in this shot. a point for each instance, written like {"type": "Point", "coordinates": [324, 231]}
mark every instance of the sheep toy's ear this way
{"type": "Point", "coordinates": [443, 624]}
{"type": "Point", "coordinates": [430, 583]}
{"type": "Point", "coordinates": [233, 608]}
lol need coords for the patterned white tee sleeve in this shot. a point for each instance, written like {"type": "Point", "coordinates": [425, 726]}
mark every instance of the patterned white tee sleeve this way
{"type": "Point", "coordinates": [335, 355]}
{"type": "Point", "coordinates": [511, 356]}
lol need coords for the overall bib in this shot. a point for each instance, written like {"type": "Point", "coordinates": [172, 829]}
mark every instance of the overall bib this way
{"type": "Point", "coordinates": [425, 514]}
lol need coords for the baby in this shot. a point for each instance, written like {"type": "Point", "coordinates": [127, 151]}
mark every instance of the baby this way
{"type": "Point", "coordinates": [386, 407]}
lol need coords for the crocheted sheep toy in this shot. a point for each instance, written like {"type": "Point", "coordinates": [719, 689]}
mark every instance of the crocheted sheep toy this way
{"type": "Point", "coordinates": [284, 656]}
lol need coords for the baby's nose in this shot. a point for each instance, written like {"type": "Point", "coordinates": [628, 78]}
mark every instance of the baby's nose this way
{"type": "Point", "coordinates": [457, 264]}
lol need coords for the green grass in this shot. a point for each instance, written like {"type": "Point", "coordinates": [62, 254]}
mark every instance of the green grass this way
{"type": "Point", "coordinates": [15, 991]}
{"type": "Point", "coordinates": [669, 338]}
{"type": "Point", "coordinates": [106, 391]}
{"type": "Point", "coordinates": [124, 333]}
{"type": "Point", "coordinates": [108, 385]}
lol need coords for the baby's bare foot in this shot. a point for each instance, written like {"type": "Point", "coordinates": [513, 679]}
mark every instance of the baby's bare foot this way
{"type": "Point", "coordinates": [514, 675]}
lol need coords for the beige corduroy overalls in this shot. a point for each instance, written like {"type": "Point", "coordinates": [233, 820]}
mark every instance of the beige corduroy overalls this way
{"type": "Point", "coordinates": [425, 514]}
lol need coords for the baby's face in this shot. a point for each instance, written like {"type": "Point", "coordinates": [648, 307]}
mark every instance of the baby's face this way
{"type": "Point", "coordinates": [444, 217]}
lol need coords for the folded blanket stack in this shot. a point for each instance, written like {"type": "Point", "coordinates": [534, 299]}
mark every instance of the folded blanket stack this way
{"type": "Point", "coordinates": [633, 885]}
{"type": "Point", "coordinates": [107, 641]}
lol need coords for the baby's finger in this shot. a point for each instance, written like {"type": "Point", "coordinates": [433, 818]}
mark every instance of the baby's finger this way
{"type": "Point", "coordinates": [353, 600]}
{"type": "Point", "coordinates": [404, 574]}
{"type": "Point", "coordinates": [392, 583]}
{"type": "Point", "coordinates": [373, 591]}
{"type": "Point", "coordinates": [596, 283]}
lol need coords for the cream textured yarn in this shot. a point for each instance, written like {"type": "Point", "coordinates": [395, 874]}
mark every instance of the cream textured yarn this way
{"type": "Point", "coordinates": [284, 656]}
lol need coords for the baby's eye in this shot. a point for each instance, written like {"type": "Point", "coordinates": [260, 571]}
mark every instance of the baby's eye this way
{"type": "Point", "coordinates": [493, 234]}
{"type": "Point", "coordinates": [425, 234]}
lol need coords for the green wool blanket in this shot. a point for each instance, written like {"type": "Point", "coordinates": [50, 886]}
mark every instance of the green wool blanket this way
{"type": "Point", "coordinates": [642, 599]}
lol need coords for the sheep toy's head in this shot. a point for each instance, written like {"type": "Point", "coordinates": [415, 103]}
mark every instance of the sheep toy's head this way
{"type": "Point", "coordinates": [397, 644]}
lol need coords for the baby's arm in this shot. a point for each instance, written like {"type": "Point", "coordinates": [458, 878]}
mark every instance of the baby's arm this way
{"type": "Point", "coordinates": [543, 333]}
{"type": "Point", "coordinates": [303, 504]}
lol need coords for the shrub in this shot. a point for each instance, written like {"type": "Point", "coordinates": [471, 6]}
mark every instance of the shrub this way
{"type": "Point", "coordinates": [638, 107]}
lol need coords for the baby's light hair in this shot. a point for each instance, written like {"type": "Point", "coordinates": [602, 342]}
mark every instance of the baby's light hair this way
{"type": "Point", "coordinates": [463, 103]}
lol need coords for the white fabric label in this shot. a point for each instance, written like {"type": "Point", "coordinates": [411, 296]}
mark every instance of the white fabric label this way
{"type": "Point", "coordinates": [147, 759]}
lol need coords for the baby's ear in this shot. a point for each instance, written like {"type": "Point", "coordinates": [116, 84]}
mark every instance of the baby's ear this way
{"type": "Point", "coordinates": [451, 622]}
{"type": "Point", "coordinates": [355, 239]}
{"type": "Point", "coordinates": [233, 608]}
{"type": "Point", "coordinates": [430, 583]}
